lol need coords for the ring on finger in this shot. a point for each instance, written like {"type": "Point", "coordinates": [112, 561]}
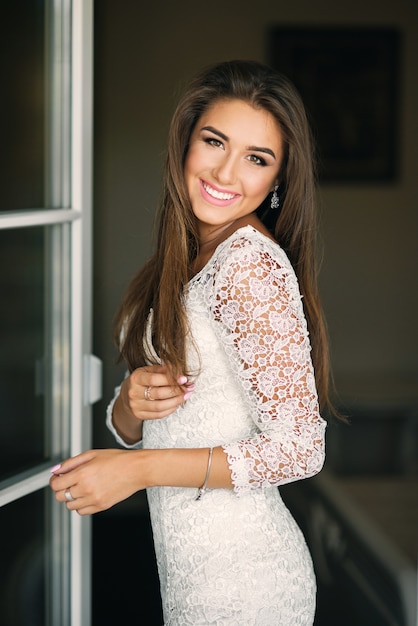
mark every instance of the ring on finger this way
{"type": "Point", "coordinates": [68, 496]}
{"type": "Point", "coordinates": [147, 393]}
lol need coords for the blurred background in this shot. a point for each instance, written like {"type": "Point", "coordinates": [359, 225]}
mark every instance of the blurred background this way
{"type": "Point", "coordinates": [356, 66]}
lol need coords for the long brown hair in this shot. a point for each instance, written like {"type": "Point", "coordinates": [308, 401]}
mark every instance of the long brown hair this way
{"type": "Point", "coordinates": [160, 285]}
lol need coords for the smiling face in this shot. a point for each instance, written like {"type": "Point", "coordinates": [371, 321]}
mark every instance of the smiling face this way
{"type": "Point", "coordinates": [232, 163]}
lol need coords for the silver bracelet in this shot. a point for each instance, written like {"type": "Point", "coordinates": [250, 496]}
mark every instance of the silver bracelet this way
{"type": "Point", "coordinates": [201, 491]}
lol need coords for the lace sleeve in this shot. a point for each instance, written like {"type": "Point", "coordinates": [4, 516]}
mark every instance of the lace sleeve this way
{"type": "Point", "coordinates": [259, 317]}
{"type": "Point", "coordinates": [111, 427]}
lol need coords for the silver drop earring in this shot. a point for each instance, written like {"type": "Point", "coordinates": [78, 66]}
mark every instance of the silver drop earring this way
{"type": "Point", "coordinates": [275, 200]}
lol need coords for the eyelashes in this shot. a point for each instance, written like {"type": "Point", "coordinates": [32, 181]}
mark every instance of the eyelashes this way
{"type": "Point", "coordinates": [253, 158]}
{"type": "Point", "coordinates": [217, 143]}
{"type": "Point", "coordinates": [257, 160]}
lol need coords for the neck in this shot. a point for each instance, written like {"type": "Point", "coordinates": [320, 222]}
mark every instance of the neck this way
{"type": "Point", "coordinates": [214, 236]}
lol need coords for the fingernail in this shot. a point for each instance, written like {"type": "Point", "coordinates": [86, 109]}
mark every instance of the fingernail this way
{"type": "Point", "coordinates": [187, 395]}
{"type": "Point", "coordinates": [182, 380]}
{"type": "Point", "coordinates": [55, 468]}
{"type": "Point", "coordinates": [191, 387]}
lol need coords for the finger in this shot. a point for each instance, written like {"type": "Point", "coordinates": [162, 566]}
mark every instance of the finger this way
{"type": "Point", "coordinates": [138, 396]}
{"type": "Point", "coordinates": [63, 495]}
{"type": "Point", "coordinates": [153, 393]}
{"type": "Point", "coordinates": [87, 510]}
{"type": "Point", "coordinates": [143, 375]}
{"type": "Point", "coordinates": [159, 403]}
{"type": "Point", "coordinates": [72, 463]}
{"type": "Point", "coordinates": [157, 376]}
{"type": "Point", "coordinates": [65, 474]}
{"type": "Point", "coordinates": [78, 503]}
{"type": "Point", "coordinates": [87, 505]}
{"type": "Point", "coordinates": [155, 409]}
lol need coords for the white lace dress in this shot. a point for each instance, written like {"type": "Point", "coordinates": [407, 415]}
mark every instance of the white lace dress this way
{"type": "Point", "coordinates": [237, 557]}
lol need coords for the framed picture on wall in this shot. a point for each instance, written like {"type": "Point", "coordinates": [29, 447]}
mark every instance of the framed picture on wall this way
{"type": "Point", "coordinates": [349, 80]}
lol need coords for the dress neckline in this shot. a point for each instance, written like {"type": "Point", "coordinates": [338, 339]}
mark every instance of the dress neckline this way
{"type": "Point", "coordinates": [238, 232]}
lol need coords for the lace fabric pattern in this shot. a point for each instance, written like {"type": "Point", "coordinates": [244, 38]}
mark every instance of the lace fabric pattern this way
{"type": "Point", "coordinates": [237, 556]}
{"type": "Point", "coordinates": [260, 322]}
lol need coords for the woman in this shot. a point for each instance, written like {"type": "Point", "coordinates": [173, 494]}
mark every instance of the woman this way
{"type": "Point", "coordinates": [220, 405]}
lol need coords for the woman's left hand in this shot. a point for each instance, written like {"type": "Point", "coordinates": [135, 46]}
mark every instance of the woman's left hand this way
{"type": "Point", "coordinates": [97, 479]}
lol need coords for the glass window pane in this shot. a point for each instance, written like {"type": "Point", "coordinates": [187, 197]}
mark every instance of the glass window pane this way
{"type": "Point", "coordinates": [22, 104]}
{"type": "Point", "coordinates": [23, 562]}
{"type": "Point", "coordinates": [34, 355]}
{"type": "Point", "coordinates": [22, 285]}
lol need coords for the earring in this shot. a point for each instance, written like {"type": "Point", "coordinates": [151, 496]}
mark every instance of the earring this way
{"type": "Point", "coordinates": [275, 200]}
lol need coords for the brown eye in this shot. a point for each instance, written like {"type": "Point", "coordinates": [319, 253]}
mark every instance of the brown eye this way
{"type": "Point", "coordinates": [257, 160]}
{"type": "Point", "coordinates": [213, 142]}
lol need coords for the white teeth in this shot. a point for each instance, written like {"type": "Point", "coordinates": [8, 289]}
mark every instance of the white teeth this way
{"type": "Point", "coordinates": [218, 194]}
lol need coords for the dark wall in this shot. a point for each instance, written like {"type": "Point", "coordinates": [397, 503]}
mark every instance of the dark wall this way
{"type": "Point", "coordinates": [369, 229]}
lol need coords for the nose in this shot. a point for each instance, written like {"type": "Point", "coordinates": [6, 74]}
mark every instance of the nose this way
{"type": "Point", "coordinates": [225, 170]}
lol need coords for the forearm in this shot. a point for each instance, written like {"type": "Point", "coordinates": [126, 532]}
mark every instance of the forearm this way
{"type": "Point", "coordinates": [184, 467]}
{"type": "Point", "coordinates": [99, 479]}
{"type": "Point", "coordinates": [127, 425]}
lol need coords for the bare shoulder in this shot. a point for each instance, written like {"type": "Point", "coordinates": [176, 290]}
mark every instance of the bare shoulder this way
{"type": "Point", "coordinates": [257, 224]}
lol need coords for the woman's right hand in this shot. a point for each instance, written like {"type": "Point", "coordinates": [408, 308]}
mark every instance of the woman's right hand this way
{"type": "Point", "coordinates": [148, 393]}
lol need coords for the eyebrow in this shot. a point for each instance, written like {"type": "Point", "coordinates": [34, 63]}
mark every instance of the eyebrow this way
{"type": "Point", "coordinates": [225, 138]}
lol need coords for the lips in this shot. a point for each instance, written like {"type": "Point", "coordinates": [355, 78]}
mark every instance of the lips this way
{"type": "Point", "coordinates": [217, 195]}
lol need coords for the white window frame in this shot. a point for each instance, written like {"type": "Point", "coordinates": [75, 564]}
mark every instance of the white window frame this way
{"type": "Point", "coordinates": [86, 388]}
{"type": "Point", "coordinates": [85, 374]}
